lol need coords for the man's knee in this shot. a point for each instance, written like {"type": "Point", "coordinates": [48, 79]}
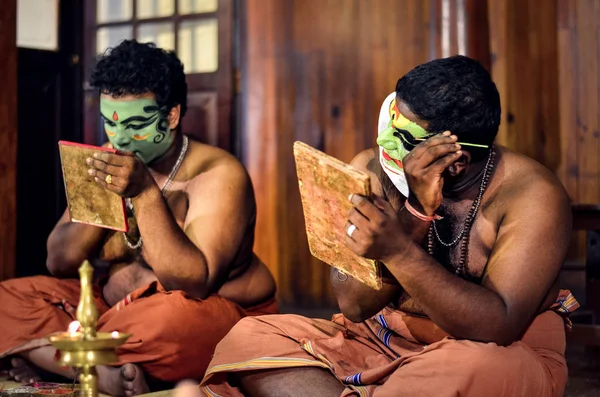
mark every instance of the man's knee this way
{"type": "Point", "coordinates": [17, 286]}
{"type": "Point", "coordinates": [22, 290]}
{"type": "Point", "coordinates": [254, 331]}
{"type": "Point", "coordinates": [172, 337]}
{"type": "Point", "coordinates": [468, 368]}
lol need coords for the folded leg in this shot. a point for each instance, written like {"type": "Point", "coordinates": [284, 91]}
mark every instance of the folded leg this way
{"type": "Point", "coordinates": [172, 336]}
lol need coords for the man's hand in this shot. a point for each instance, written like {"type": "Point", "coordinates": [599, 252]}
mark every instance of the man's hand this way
{"type": "Point", "coordinates": [128, 175]}
{"type": "Point", "coordinates": [424, 166]}
{"type": "Point", "coordinates": [379, 234]}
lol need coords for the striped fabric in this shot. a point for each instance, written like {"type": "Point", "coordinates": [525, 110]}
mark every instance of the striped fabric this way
{"type": "Point", "coordinates": [565, 305]}
{"type": "Point", "coordinates": [367, 356]}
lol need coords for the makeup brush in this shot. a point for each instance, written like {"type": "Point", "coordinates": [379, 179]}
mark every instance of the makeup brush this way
{"type": "Point", "coordinates": [460, 143]}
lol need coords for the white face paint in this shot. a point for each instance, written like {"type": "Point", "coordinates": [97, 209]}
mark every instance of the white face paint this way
{"type": "Point", "coordinates": [395, 174]}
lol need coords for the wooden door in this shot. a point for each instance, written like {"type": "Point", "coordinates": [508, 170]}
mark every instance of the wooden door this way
{"type": "Point", "coordinates": [8, 138]}
{"type": "Point", "coordinates": [49, 109]}
{"type": "Point", "coordinates": [201, 32]}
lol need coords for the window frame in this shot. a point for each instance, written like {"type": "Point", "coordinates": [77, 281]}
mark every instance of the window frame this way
{"type": "Point", "coordinates": [219, 81]}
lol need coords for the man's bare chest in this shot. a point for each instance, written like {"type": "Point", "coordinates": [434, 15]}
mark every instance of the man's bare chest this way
{"type": "Point", "coordinates": [476, 248]}
{"type": "Point", "coordinates": [115, 248]}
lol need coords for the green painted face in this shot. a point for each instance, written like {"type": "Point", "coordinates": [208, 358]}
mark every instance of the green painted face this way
{"type": "Point", "coordinates": [401, 136]}
{"type": "Point", "coordinates": [137, 126]}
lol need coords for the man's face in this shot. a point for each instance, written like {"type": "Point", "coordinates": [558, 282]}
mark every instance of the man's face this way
{"type": "Point", "coordinates": [402, 135]}
{"type": "Point", "coordinates": [135, 123]}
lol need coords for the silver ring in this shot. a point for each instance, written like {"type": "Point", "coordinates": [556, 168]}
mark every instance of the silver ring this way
{"type": "Point", "coordinates": [351, 230]}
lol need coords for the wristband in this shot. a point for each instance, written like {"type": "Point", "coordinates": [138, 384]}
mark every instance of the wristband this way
{"type": "Point", "coordinates": [418, 215]}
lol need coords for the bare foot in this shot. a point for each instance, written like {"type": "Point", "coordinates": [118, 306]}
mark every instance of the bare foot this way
{"type": "Point", "coordinates": [187, 388]}
{"type": "Point", "coordinates": [133, 381]}
{"type": "Point", "coordinates": [22, 371]}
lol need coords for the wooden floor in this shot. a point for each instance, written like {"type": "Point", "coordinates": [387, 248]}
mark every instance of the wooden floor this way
{"type": "Point", "coordinates": [584, 367]}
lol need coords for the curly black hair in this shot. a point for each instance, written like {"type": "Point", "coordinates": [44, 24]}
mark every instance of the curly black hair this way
{"type": "Point", "coordinates": [133, 68]}
{"type": "Point", "coordinates": [454, 94]}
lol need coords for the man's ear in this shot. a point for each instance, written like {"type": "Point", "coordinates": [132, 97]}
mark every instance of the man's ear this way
{"type": "Point", "coordinates": [174, 116]}
{"type": "Point", "coordinates": [458, 167]}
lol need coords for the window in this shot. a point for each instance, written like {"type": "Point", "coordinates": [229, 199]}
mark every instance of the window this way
{"type": "Point", "coordinates": [202, 34]}
{"type": "Point", "coordinates": [190, 27]}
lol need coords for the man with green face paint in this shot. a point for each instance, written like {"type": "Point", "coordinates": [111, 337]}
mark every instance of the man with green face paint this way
{"type": "Point", "coordinates": [470, 240]}
{"type": "Point", "coordinates": [182, 276]}
{"type": "Point", "coordinates": [397, 137]}
{"type": "Point", "coordinates": [137, 126]}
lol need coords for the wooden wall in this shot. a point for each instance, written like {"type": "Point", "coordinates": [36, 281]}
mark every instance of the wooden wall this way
{"type": "Point", "coordinates": [523, 45]}
{"type": "Point", "coordinates": [8, 137]}
{"type": "Point", "coordinates": [318, 71]}
{"type": "Point", "coordinates": [579, 95]}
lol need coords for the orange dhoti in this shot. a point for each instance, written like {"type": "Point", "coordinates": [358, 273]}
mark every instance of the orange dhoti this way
{"type": "Point", "coordinates": [396, 354]}
{"type": "Point", "coordinates": [173, 336]}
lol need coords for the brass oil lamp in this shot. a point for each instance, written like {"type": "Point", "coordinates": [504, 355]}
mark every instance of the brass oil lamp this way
{"type": "Point", "coordinates": [84, 348]}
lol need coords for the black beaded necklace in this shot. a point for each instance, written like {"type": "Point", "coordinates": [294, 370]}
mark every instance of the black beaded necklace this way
{"type": "Point", "coordinates": [465, 233]}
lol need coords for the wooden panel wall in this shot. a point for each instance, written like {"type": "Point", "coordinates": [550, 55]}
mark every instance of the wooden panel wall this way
{"type": "Point", "coordinates": [8, 138]}
{"type": "Point", "coordinates": [318, 71]}
{"type": "Point", "coordinates": [579, 95]}
{"type": "Point", "coordinates": [523, 43]}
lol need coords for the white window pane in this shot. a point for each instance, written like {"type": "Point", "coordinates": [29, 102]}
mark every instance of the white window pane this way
{"type": "Point", "coordinates": [162, 34]}
{"type": "Point", "coordinates": [199, 45]}
{"type": "Point", "coordinates": [112, 36]}
{"type": "Point", "coordinates": [113, 10]}
{"type": "Point", "coordinates": [154, 8]}
{"type": "Point", "coordinates": [197, 6]}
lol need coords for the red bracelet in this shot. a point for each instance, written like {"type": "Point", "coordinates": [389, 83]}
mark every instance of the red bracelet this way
{"type": "Point", "coordinates": [420, 216]}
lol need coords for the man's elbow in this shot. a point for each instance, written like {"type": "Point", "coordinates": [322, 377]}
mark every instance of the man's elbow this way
{"type": "Point", "coordinates": [56, 257]}
{"type": "Point", "coordinates": [505, 336]}
{"type": "Point", "coordinates": [54, 261]}
{"type": "Point", "coordinates": [500, 335]}
{"type": "Point", "coordinates": [62, 262]}
{"type": "Point", "coordinates": [354, 312]}
{"type": "Point", "coordinates": [59, 264]}
{"type": "Point", "coordinates": [354, 315]}
{"type": "Point", "coordinates": [193, 286]}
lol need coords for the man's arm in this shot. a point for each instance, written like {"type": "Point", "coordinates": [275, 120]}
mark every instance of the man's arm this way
{"type": "Point", "coordinates": [531, 244]}
{"type": "Point", "coordinates": [356, 300]}
{"type": "Point", "coordinates": [530, 248]}
{"type": "Point", "coordinates": [69, 244]}
{"type": "Point", "coordinates": [197, 260]}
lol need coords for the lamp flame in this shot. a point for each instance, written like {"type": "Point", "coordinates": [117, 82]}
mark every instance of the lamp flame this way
{"type": "Point", "coordinates": [74, 328]}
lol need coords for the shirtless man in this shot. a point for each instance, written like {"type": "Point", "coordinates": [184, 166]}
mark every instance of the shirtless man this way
{"type": "Point", "coordinates": [183, 275]}
{"type": "Point", "coordinates": [470, 304]}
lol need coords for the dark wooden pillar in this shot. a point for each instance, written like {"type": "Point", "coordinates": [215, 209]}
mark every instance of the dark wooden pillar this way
{"type": "Point", "coordinates": [459, 27]}
{"type": "Point", "coordinates": [8, 137]}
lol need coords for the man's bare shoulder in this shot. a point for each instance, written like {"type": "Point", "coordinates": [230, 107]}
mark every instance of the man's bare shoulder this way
{"type": "Point", "coordinates": [523, 179]}
{"type": "Point", "coordinates": [216, 174]}
{"type": "Point", "coordinates": [365, 160]}
{"type": "Point", "coordinates": [368, 161]}
{"type": "Point", "coordinates": [206, 160]}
